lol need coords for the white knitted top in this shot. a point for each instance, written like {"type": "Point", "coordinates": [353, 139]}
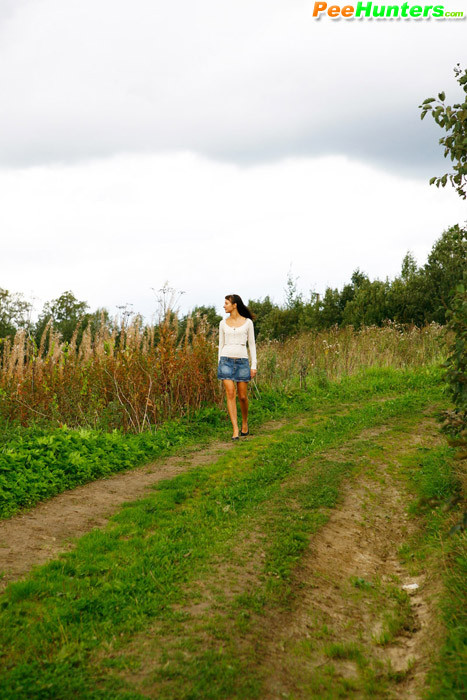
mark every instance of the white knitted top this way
{"type": "Point", "coordinates": [232, 341]}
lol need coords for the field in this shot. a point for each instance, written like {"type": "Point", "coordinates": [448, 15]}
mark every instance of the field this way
{"type": "Point", "coordinates": [274, 568]}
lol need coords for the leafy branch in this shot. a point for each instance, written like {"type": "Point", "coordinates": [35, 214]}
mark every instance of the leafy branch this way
{"type": "Point", "coordinates": [453, 119]}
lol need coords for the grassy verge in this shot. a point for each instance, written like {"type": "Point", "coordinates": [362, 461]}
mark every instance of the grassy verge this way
{"type": "Point", "coordinates": [37, 463]}
{"type": "Point", "coordinates": [62, 628]}
{"type": "Point", "coordinates": [440, 505]}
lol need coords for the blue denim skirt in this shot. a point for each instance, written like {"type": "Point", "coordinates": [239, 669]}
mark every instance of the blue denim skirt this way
{"type": "Point", "coordinates": [235, 368]}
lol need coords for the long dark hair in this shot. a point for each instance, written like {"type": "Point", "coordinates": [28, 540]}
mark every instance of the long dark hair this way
{"type": "Point", "coordinates": [241, 308]}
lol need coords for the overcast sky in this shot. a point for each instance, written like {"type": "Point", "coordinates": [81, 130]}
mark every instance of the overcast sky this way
{"type": "Point", "coordinates": [217, 145]}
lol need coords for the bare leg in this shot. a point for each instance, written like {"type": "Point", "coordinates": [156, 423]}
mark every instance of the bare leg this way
{"type": "Point", "coordinates": [231, 404]}
{"type": "Point", "coordinates": [242, 390]}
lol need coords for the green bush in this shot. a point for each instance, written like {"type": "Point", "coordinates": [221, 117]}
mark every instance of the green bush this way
{"type": "Point", "coordinates": [456, 368]}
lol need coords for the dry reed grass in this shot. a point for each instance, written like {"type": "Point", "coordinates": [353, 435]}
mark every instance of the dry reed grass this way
{"type": "Point", "coordinates": [129, 376]}
{"type": "Point", "coordinates": [132, 377]}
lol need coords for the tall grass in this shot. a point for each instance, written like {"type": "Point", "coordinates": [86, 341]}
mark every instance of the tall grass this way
{"type": "Point", "coordinates": [333, 353]}
{"type": "Point", "coordinates": [132, 377]}
{"type": "Point", "coordinates": [128, 377]}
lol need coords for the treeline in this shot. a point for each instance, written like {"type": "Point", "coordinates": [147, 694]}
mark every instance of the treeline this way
{"type": "Point", "coordinates": [418, 295]}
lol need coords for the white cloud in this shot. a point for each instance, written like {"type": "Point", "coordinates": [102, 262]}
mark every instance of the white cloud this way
{"type": "Point", "coordinates": [113, 229]}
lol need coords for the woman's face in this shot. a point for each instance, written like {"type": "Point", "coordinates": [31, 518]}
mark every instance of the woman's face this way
{"type": "Point", "coordinates": [229, 307]}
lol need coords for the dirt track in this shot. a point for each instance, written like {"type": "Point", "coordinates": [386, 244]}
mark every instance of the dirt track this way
{"type": "Point", "coordinates": [360, 542]}
{"type": "Point", "coordinates": [40, 534]}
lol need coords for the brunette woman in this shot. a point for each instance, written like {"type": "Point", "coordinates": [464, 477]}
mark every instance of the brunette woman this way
{"type": "Point", "coordinates": [234, 368]}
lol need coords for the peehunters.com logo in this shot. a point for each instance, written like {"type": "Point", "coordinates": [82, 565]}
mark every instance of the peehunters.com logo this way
{"type": "Point", "coordinates": [370, 9]}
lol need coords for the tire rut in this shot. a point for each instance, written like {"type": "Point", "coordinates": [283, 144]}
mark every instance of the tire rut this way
{"type": "Point", "coordinates": [357, 549]}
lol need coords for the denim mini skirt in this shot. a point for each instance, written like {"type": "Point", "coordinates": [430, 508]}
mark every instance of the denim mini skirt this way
{"type": "Point", "coordinates": [235, 368]}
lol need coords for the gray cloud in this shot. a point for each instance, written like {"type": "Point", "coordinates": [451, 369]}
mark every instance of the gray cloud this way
{"type": "Point", "coordinates": [244, 82]}
{"type": "Point", "coordinates": [395, 142]}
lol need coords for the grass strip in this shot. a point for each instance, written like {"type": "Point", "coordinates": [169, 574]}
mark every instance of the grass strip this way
{"type": "Point", "coordinates": [38, 463]}
{"type": "Point", "coordinates": [132, 574]}
{"type": "Point", "coordinates": [440, 506]}
{"type": "Point", "coordinates": [215, 657]}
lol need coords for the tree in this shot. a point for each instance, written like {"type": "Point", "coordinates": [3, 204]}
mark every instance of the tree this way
{"type": "Point", "coordinates": [358, 278]}
{"type": "Point", "coordinates": [14, 312]}
{"type": "Point", "coordinates": [349, 291]}
{"type": "Point", "coordinates": [444, 270]}
{"type": "Point", "coordinates": [370, 305]}
{"type": "Point", "coordinates": [409, 300]}
{"type": "Point", "coordinates": [330, 313]}
{"type": "Point", "coordinates": [281, 323]}
{"type": "Point", "coordinates": [346, 295]}
{"type": "Point", "coordinates": [453, 119]}
{"type": "Point", "coordinates": [409, 266]}
{"type": "Point", "coordinates": [261, 309]}
{"type": "Point", "coordinates": [456, 366]}
{"type": "Point", "coordinates": [293, 298]}
{"type": "Point", "coordinates": [65, 314]}
{"type": "Point", "coordinates": [206, 314]}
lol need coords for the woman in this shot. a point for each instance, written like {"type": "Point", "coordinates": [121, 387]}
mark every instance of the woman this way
{"type": "Point", "coordinates": [234, 368]}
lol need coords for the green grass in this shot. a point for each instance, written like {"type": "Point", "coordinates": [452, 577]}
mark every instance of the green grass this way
{"type": "Point", "coordinates": [64, 630]}
{"type": "Point", "coordinates": [439, 505]}
{"type": "Point", "coordinates": [397, 618]}
{"type": "Point", "coordinates": [344, 650]}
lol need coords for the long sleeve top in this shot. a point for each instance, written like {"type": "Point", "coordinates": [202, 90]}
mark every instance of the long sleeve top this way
{"type": "Point", "coordinates": [232, 341]}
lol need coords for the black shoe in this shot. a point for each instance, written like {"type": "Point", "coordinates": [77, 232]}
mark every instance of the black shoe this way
{"type": "Point", "coordinates": [236, 438]}
{"type": "Point", "coordinates": [245, 434]}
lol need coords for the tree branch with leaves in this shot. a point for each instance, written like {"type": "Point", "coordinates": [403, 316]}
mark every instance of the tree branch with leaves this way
{"type": "Point", "coordinates": [453, 119]}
